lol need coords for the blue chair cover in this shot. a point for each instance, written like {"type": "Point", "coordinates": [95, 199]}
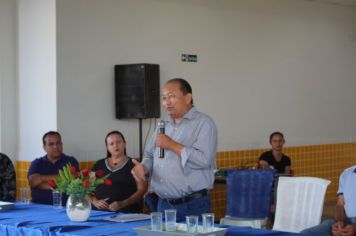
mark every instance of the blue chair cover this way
{"type": "Point", "coordinates": [249, 193]}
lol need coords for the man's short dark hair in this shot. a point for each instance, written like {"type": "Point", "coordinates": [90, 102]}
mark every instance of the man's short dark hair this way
{"type": "Point", "coordinates": [50, 133]}
{"type": "Point", "coordinates": [274, 134]}
{"type": "Point", "coordinates": [184, 86]}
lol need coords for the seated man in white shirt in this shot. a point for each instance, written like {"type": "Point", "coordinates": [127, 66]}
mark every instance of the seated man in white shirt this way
{"type": "Point", "coordinates": [344, 223]}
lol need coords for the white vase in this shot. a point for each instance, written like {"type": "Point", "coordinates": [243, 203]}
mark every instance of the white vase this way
{"type": "Point", "coordinates": [78, 207]}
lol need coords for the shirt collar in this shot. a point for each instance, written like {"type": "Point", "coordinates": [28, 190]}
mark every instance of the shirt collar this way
{"type": "Point", "coordinates": [61, 159]}
{"type": "Point", "coordinates": [189, 115]}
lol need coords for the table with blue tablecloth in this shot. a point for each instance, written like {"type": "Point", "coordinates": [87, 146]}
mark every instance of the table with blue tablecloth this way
{"type": "Point", "coordinates": [44, 220]}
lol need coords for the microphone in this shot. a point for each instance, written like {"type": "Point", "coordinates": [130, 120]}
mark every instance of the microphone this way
{"type": "Point", "coordinates": [161, 130]}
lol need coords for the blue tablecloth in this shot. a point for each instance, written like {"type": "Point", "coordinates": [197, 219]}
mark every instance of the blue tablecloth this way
{"type": "Point", "coordinates": [247, 231]}
{"type": "Point", "coordinates": [44, 220]}
{"type": "Point", "coordinates": [39, 220]}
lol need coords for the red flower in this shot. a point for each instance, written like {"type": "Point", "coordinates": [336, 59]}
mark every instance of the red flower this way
{"type": "Point", "coordinates": [52, 183]}
{"type": "Point", "coordinates": [85, 172]}
{"type": "Point", "coordinates": [73, 170]}
{"type": "Point", "coordinates": [86, 184]}
{"type": "Point", "coordinates": [107, 182]}
{"type": "Point", "coordinates": [99, 173]}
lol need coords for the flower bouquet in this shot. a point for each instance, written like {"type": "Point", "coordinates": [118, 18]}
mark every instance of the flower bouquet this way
{"type": "Point", "coordinates": [78, 185]}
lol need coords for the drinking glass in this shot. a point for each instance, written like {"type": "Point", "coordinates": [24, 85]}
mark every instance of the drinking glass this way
{"type": "Point", "coordinates": [208, 222]}
{"type": "Point", "coordinates": [156, 221]}
{"type": "Point", "coordinates": [57, 198]}
{"type": "Point", "coordinates": [192, 224]}
{"type": "Point", "coordinates": [25, 195]}
{"type": "Point", "coordinates": [170, 219]}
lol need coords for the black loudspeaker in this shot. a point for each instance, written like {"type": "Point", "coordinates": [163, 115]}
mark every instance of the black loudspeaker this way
{"type": "Point", "coordinates": [137, 91]}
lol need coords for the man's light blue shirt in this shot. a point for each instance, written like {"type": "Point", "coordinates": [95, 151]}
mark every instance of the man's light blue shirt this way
{"type": "Point", "coordinates": [176, 176]}
{"type": "Point", "coordinates": [347, 187]}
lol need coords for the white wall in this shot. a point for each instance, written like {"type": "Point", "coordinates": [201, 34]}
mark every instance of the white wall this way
{"type": "Point", "coordinates": [8, 81]}
{"type": "Point", "coordinates": [262, 66]}
{"type": "Point", "coordinates": [37, 74]}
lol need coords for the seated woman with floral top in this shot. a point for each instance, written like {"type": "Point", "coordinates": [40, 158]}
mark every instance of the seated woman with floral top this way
{"type": "Point", "coordinates": [126, 192]}
{"type": "Point", "coordinates": [7, 179]}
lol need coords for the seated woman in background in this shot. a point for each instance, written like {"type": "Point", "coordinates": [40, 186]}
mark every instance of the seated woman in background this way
{"type": "Point", "coordinates": [126, 192]}
{"type": "Point", "coordinates": [275, 158]}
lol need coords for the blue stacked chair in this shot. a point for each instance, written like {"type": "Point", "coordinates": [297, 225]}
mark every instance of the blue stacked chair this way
{"type": "Point", "coordinates": [248, 197]}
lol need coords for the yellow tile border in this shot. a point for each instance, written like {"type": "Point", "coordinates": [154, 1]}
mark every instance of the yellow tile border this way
{"type": "Point", "coordinates": [322, 160]}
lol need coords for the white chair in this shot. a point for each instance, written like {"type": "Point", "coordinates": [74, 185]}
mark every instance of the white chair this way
{"type": "Point", "coordinates": [299, 203]}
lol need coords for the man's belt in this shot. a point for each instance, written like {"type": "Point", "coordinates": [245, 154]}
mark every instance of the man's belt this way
{"type": "Point", "coordinates": [351, 220]}
{"type": "Point", "coordinates": [196, 195]}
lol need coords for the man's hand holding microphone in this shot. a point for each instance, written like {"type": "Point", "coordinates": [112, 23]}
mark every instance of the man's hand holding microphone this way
{"type": "Point", "coordinates": [162, 142]}
{"type": "Point", "coordinates": [165, 142]}
{"type": "Point", "coordinates": [161, 130]}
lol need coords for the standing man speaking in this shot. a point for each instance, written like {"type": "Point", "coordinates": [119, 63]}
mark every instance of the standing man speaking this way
{"type": "Point", "coordinates": [181, 178]}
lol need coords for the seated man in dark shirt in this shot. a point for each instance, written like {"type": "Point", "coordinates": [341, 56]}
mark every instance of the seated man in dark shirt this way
{"type": "Point", "coordinates": [47, 167]}
{"type": "Point", "coordinates": [275, 158]}
{"type": "Point", "coordinates": [7, 179]}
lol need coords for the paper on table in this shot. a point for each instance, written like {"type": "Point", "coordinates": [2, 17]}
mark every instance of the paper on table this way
{"type": "Point", "coordinates": [6, 205]}
{"type": "Point", "coordinates": [129, 217]}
